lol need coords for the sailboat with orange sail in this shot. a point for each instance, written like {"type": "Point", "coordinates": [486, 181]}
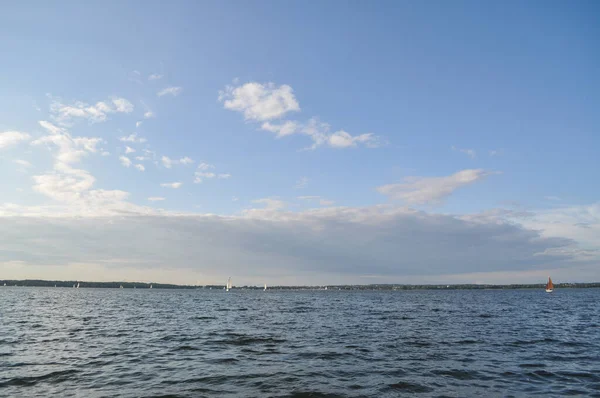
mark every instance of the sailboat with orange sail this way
{"type": "Point", "coordinates": [549, 286]}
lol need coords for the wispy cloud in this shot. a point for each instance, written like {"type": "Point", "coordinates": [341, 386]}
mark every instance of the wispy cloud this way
{"type": "Point", "coordinates": [23, 163]}
{"type": "Point", "coordinates": [67, 184]}
{"type": "Point", "coordinates": [132, 138]}
{"type": "Point", "coordinates": [301, 183]}
{"type": "Point", "coordinates": [129, 149]}
{"type": "Point", "coordinates": [173, 185]}
{"type": "Point", "coordinates": [318, 199]}
{"type": "Point", "coordinates": [10, 138]}
{"type": "Point", "coordinates": [140, 167]}
{"type": "Point", "coordinates": [64, 114]}
{"type": "Point", "coordinates": [155, 76]}
{"type": "Point", "coordinates": [168, 162]}
{"type": "Point", "coordinates": [552, 198]}
{"type": "Point", "coordinates": [203, 173]}
{"type": "Point", "coordinates": [469, 152]}
{"type": "Point", "coordinates": [431, 190]}
{"type": "Point", "coordinates": [270, 203]}
{"type": "Point", "coordinates": [173, 90]}
{"type": "Point", "coordinates": [156, 198]}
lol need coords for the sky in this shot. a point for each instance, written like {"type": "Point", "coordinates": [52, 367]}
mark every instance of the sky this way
{"type": "Point", "coordinates": [300, 142]}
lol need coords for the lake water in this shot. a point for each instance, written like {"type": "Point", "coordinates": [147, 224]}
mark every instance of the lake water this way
{"type": "Point", "coordinates": [64, 342]}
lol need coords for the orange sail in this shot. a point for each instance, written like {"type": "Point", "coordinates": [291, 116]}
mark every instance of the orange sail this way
{"type": "Point", "coordinates": [549, 285]}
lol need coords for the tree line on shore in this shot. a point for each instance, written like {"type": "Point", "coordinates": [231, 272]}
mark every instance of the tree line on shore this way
{"type": "Point", "coordinates": [146, 285]}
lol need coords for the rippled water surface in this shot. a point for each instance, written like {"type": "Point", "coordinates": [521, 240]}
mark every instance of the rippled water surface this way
{"type": "Point", "coordinates": [192, 343]}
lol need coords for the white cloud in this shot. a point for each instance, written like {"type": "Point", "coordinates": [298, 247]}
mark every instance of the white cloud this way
{"type": "Point", "coordinates": [341, 139]}
{"type": "Point", "coordinates": [69, 185]}
{"type": "Point", "coordinates": [320, 200]}
{"type": "Point", "coordinates": [138, 124]}
{"type": "Point", "coordinates": [140, 158]}
{"type": "Point", "coordinates": [148, 115]}
{"type": "Point", "coordinates": [88, 143]}
{"type": "Point", "coordinates": [140, 167]}
{"type": "Point", "coordinates": [10, 138]}
{"type": "Point", "coordinates": [167, 162]}
{"type": "Point", "coordinates": [266, 102]}
{"type": "Point", "coordinates": [23, 163]}
{"type": "Point", "coordinates": [199, 176]}
{"type": "Point", "coordinates": [125, 161]}
{"type": "Point", "coordinates": [63, 114]}
{"type": "Point", "coordinates": [105, 153]}
{"type": "Point", "coordinates": [301, 183]}
{"type": "Point", "coordinates": [288, 127]}
{"type": "Point", "coordinates": [320, 134]}
{"type": "Point", "coordinates": [132, 138]}
{"type": "Point", "coordinates": [155, 76]}
{"type": "Point", "coordinates": [424, 190]}
{"type": "Point", "coordinates": [270, 203]}
{"type": "Point", "coordinates": [469, 152]}
{"type": "Point", "coordinates": [235, 199]}
{"type": "Point", "coordinates": [173, 185]}
{"type": "Point", "coordinates": [202, 173]}
{"type": "Point", "coordinates": [260, 102]}
{"type": "Point", "coordinates": [205, 166]}
{"type": "Point", "coordinates": [173, 90]}
{"type": "Point", "coordinates": [156, 198]}
{"type": "Point", "coordinates": [129, 149]}
{"type": "Point", "coordinates": [122, 105]}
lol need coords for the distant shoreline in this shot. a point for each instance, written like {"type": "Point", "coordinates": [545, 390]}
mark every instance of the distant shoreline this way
{"type": "Point", "coordinates": [145, 285]}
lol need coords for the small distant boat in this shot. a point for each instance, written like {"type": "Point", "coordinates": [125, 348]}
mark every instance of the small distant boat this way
{"type": "Point", "coordinates": [150, 286]}
{"type": "Point", "coordinates": [228, 285]}
{"type": "Point", "coordinates": [549, 286]}
{"type": "Point", "coordinates": [265, 289]}
{"type": "Point", "coordinates": [77, 285]}
{"type": "Point", "coordinates": [74, 286]}
{"type": "Point", "coordinates": [121, 287]}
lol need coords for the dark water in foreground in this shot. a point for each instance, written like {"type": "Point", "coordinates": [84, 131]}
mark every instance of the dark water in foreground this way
{"type": "Point", "coordinates": [124, 342]}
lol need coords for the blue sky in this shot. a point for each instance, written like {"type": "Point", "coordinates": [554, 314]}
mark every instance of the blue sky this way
{"type": "Point", "coordinates": [291, 113]}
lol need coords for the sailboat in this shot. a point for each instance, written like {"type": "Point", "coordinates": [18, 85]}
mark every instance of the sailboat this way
{"type": "Point", "coordinates": [228, 286]}
{"type": "Point", "coordinates": [150, 286]}
{"type": "Point", "coordinates": [265, 289]}
{"type": "Point", "coordinates": [121, 287]}
{"type": "Point", "coordinates": [549, 286]}
{"type": "Point", "coordinates": [77, 285]}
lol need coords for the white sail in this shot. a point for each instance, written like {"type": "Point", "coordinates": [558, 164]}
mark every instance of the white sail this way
{"type": "Point", "coordinates": [77, 285]}
{"type": "Point", "coordinates": [228, 285]}
{"type": "Point", "coordinates": [150, 286]}
{"type": "Point", "coordinates": [265, 286]}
